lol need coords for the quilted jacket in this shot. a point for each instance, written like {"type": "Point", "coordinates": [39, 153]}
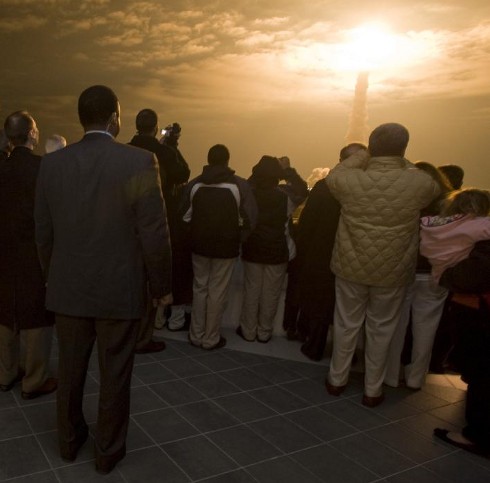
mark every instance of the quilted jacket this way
{"type": "Point", "coordinates": [378, 233]}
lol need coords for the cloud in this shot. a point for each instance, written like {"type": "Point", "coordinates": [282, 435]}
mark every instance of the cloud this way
{"type": "Point", "coordinates": [27, 23]}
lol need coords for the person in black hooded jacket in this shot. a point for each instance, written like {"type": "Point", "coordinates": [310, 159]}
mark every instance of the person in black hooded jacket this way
{"type": "Point", "coordinates": [269, 248]}
{"type": "Point", "coordinates": [220, 210]}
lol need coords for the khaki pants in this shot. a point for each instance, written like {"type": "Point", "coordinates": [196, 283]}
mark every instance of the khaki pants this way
{"type": "Point", "coordinates": [379, 309]}
{"type": "Point", "coordinates": [35, 361]}
{"type": "Point", "coordinates": [263, 285]}
{"type": "Point", "coordinates": [212, 277]}
{"type": "Point", "coordinates": [425, 302]}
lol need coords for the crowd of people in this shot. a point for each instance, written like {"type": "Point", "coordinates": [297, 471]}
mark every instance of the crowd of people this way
{"type": "Point", "coordinates": [107, 241]}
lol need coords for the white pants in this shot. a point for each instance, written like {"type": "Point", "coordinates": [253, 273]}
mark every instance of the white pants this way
{"type": "Point", "coordinates": [212, 277]}
{"type": "Point", "coordinates": [177, 317]}
{"type": "Point", "coordinates": [425, 301]}
{"type": "Point", "coordinates": [262, 291]}
{"type": "Point", "coordinates": [379, 309]}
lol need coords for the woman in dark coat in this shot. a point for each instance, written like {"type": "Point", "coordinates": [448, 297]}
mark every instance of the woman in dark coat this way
{"type": "Point", "coordinates": [22, 286]}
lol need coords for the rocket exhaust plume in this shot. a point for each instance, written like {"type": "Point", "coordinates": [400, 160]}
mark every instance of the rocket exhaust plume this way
{"type": "Point", "coordinates": [358, 122]}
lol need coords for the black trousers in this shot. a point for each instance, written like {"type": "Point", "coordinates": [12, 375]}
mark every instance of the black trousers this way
{"type": "Point", "coordinates": [116, 340]}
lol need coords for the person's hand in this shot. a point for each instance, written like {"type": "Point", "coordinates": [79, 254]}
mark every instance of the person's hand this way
{"type": "Point", "coordinates": [284, 162]}
{"type": "Point", "coordinates": [164, 301]}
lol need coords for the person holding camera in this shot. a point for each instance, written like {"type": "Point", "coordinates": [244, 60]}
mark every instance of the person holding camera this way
{"type": "Point", "coordinates": [268, 249]}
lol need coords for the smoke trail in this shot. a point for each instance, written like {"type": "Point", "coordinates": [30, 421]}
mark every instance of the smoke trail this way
{"type": "Point", "coordinates": [316, 175]}
{"type": "Point", "coordinates": [358, 122]}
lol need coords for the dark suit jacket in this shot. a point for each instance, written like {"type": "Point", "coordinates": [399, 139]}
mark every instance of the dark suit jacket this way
{"type": "Point", "coordinates": [22, 287]}
{"type": "Point", "coordinates": [101, 229]}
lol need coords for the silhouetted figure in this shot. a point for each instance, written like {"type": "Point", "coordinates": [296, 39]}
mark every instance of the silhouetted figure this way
{"type": "Point", "coordinates": [102, 233]}
{"type": "Point", "coordinates": [268, 249]}
{"type": "Point", "coordinates": [317, 228]}
{"type": "Point", "coordinates": [22, 285]}
{"type": "Point", "coordinates": [375, 252]}
{"type": "Point", "coordinates": [220, 210]}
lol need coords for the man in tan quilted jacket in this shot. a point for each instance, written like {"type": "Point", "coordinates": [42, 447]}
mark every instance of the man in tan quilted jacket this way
{"type": "Point", "coordinates": [381, 195]}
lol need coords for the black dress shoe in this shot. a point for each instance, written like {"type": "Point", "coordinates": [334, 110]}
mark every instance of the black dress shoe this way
{"type": "Point", "coordinates": [239, 332]}
{"type": "Point", "coordinates": [105, 465]}
{"type": "Point", "coordinates": [8, 387]}
{"type": "Point", "coordinates": [152, 346]}
{"type": "Point", "coordinates": [334, 390]}
{"type": "Point", "coordinates": [70, 455]}
{"type": "Point", "coordinates": [264, 341]}
{"type": "Point", "coordinates": [372, 401]}
{"type": "Point", "coordinates": [48, 387]}
{"type": "Point", "coordinates": [221, 343]}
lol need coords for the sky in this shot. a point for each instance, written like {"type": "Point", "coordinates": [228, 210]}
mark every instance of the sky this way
{"type": "Point", "coordinates": [270, 77]}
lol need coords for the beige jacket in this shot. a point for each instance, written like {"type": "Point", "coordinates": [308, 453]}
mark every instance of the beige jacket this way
{"type": "Point", "coordinates": [378, 233]}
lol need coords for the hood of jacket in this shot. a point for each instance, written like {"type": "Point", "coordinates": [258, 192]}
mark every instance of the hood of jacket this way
{"type": "Point", "coordinates": [214, 174]}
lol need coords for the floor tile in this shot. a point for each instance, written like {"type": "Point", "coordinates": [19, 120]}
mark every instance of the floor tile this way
{"type": "Point", "coordinates": [150, 465]}
{"type": "Point", "coordinates": [378, 458]}
{"type": "Point", "coordinates": [44, 477]}
{"type": "Point", "coordinates": [412, 445]}
{"type": "Point", "coordinates": [239, 476]}
{"type": "Point", "coordinates": [13, 423]}
{"type": "Point", "coordinates": [187, 367]}
{"type": "Point", "coordinates": [85, 473]}
{"type": "Point", "coordinates": [418, 475]}
{"type": "Point", "coordinates": [279, 399]}
{"type": "Point", "coordinates": [198, 457]}
{"type": "Point", "coordinates": [215, 361]}
{"type": "Point", "coordinates": [449, 394]}
{"type": "Point", "coordinates": [176, 392]}
{"type": "Point", "coordinates": [42, 417]}
{"type": "Point", "coordinates": [323, 425]}
{"type": "Point", "coordinates": [246, 359]}
{"type": "Point", "coordinates": [424, 401]}
{"type": "Point", "coordinates": [275, 373]}
{"type": "Point", "coordinates": [330, 466]}
{"type": "Point", "coordinates": [456, 468]}
{"type": "Point", "coordinates": [306, 369]}
{"type": "Point", "coordinates": [206, 416]}
{"type": "Point", "coordinates": [358, 416]}
{"type": "Point", "coordinates": [244, 407]}
{"type": "Point", "coordinates": [143, 400]}
{"type": "Point", "coordinates": [425, 424]}
{"type": "Point", "coordinates": [309, 390]}
{"type": "Point", "coordinates": [452, 413]}
{"type": "Point", "coordinates": [50, 446]}
{"type": "Point", "coordinates": [284, 434]}
{"type": "Point", "coordinates": [282, 470]}
{"type": "Point", "coordinates": [152, 373]}
{"type": "Point", "coordinates": [244, 445]}
{"type": "Point", "coordinates": [13, 457]}
{"type": "Point", "coordinates": [7, 400]}
{"type": "Point", "coordinates": [245, 379]}
{"type": "Point", "coordinates": [170, 352]}
{"type": "Point", "coordinates": [137, 438]}
{"type": "Point", "coordinates": [164, 425]}
{"type": "Point", "coordinates": [212, 385]}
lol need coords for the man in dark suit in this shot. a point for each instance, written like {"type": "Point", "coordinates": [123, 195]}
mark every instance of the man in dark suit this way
{"type": "Point", "coordinates": [101, 231]}
{"type": "Point", "coordinates": [22, 287]}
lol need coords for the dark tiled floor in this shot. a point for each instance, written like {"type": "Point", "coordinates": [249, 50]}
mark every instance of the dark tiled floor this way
{"type": "Point", "coordinates": [234, 417]}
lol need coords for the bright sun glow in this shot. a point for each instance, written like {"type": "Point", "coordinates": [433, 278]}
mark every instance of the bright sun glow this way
{"type": "Point", "coordinates": [369, 47]}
